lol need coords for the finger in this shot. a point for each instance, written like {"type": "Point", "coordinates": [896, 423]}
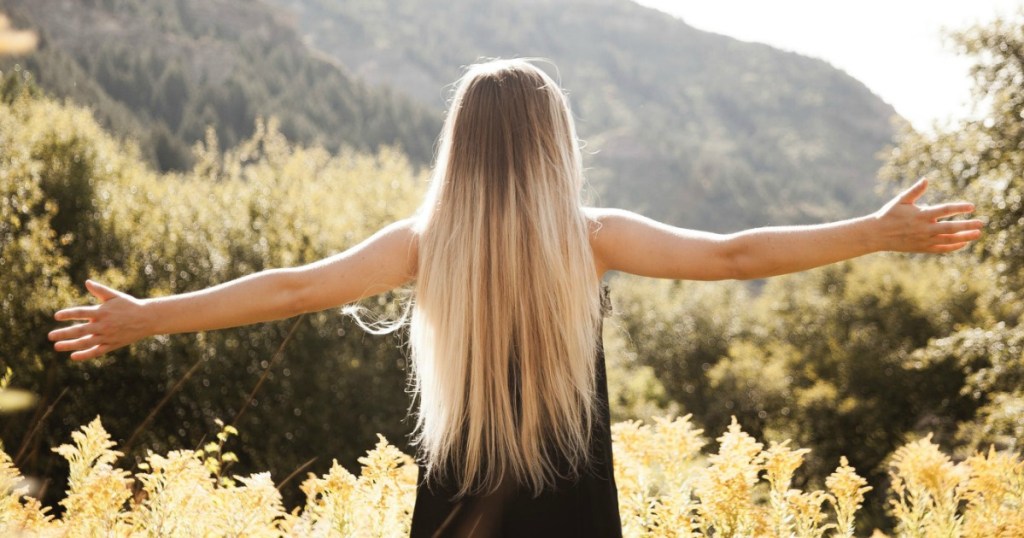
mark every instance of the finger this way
{"type": "Point", "coordinates": [939, 249]}
{"type": "Point", "coordinates": [90, 353]}
{"type": "Point", "coordinates": [84, 342]}
{"type": "Point", "coordinates": [101, 292]}
{"type": "Point", "coordinates": [68, 333]}
{"type": "Point", "coordinates": [959, 237]}
{"type": "Point", "coordinates": [77, 313]}
{"type": "Point", "coordinates": [915, 191]}
{"type": "Point", "coordinates": [953, 226]}
{"type": "Point", "coordinates": [947, 210]}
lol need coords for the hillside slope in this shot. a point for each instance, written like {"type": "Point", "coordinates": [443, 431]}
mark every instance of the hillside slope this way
{"type": "Point", "coordinates": [690, 127]}
{"type": "Point", "coordinates": [693, 127]}
{"type": "Point", "coordinates": [161, 72]}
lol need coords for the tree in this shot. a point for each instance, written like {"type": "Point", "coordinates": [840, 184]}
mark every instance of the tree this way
{"type": "Point", "coordinates": [982, 159]}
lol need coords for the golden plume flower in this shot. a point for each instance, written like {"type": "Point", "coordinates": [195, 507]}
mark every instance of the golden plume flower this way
{"type": "Point", "coordinates": [847, 489]}
{"type": "Point", "coordinates": [667, 490]}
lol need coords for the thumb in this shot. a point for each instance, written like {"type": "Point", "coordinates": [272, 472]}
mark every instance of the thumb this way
{"type": "Point", "coordinates": [915, 191]}
{"type": "Point", "coordinates": [100, 291]}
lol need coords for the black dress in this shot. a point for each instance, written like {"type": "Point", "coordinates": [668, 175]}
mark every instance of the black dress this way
{"type": "Point", "coordinates": [587, 507]}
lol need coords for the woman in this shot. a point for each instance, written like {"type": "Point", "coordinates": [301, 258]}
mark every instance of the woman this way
{"type": "Point", "coordinates": [512, 421]}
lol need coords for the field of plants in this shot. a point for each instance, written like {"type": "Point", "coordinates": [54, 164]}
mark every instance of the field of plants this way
{"type": "Point", "coordinates": [667, 488]}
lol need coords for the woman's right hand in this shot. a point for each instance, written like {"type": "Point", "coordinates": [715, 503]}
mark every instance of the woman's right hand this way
{"type": "Point", "coordinates": [114, 323]}
{"type": "Point", "coordinates": [906, 227]}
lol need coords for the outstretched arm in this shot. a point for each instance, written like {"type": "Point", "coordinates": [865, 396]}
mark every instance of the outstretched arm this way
{"type": "Point", "coordinates": [381, 263]}
{"type": "Point", "coordinates": [631, 243]}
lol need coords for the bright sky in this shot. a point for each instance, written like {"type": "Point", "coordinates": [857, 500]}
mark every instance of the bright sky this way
{"type": "Point", "coordinates": [895, 47]}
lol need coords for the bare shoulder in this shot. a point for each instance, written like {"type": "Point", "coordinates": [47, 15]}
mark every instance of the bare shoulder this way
{"type": "Point", "coordinates": [608, 221]}
{"type": "Point", "coordinates": [407, 229]}
{"type": "Point", "coordinates": [626, 241]}
{"type": "Point", "coordinates": [598, 216]}
{"type": "Point", "coordinates": [406, 234]}
{"type": "Point", "coordinates": [605, 226]}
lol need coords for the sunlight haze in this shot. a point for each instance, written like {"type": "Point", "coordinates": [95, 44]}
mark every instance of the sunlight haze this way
{"type": "Point", "coordinates": [896, 48]}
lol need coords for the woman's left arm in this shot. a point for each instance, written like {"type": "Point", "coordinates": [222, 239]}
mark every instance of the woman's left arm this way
{"type": "Point", "coordinates": [628, 242]}
{"type": "Point", "coordinates": [900, 226]}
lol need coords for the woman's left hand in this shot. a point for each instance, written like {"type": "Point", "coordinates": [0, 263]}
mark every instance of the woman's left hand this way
{"type": "Point", "coordinates": [906, 227]}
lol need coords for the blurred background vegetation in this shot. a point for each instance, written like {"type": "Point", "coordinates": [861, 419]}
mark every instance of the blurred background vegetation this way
{"type": "Point", "coordinates": [134, 150]}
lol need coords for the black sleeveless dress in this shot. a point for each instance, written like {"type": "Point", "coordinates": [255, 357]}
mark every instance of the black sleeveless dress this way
{"type": "Point", "coordinates": [587, 507]}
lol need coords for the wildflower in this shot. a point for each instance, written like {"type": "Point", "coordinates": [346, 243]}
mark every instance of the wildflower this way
{"type": "Point", "coordinates": [995, 495]}
{"type": "Point", "coordinates": [848, 489]}
{"type": "Point", "coordinates": [96, 490]}
{"type": "Point", "coordinates": [780, 464]}
{"type": "Point", "coordinates": [726, 487]}
{"type": "Point", "coordinates": [926, 490]}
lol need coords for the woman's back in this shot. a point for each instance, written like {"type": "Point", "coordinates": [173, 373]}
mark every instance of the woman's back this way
{"type": "Point", "coordinates": [583, 506]}
{"type": "Point", "coordinates": [505, 319]}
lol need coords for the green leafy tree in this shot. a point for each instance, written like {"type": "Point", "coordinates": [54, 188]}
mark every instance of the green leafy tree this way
{"type": "Point", "coordinates": [982, 159]}
{"type": "Point", "coordinates": [680, 331]}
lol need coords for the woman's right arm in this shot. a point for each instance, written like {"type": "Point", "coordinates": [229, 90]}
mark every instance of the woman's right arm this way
{"type": "Point", "coordinates": [381, 263]}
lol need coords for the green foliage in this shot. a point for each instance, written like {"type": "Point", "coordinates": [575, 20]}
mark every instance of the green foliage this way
{"type": "Point", "coordinates": [983, 160]}
{"type": "Point", "coordinates": [992, 359]}
{"type": "Point", "coordinates": [851, 331]}
{"type": "Point", "coordinates": [677, 330]}
{"type": "Point", "coordinates": [826, 358]}
{"type": "Point", "coordinates": [77, 203]}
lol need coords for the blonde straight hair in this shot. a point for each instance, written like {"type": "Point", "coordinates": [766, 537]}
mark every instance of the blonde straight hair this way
{"type": "Point", "coordinates": [504, 325]}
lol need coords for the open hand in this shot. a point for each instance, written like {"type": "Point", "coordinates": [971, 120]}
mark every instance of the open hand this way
{"type": "Point", "coordinates": [116, 322]}
{"type": "Point", "coordinates": [907, 227]}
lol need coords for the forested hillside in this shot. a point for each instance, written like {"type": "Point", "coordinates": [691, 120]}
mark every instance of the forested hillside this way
{"type": "Point", "coordinates": [161, 72]}
{"type": "Point", "coordinates": [689, 126]}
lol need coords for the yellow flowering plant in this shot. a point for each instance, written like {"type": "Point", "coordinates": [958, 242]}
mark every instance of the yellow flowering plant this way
{"type": "Point", "coordinates": [667, 488]}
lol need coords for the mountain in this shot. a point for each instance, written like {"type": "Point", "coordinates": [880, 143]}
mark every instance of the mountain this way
{"type": "Point", "coordinates": [689, 127]}
{"type": "Point", "coordinates": [692, 127]}
{"type": "Point", "coordinates": [161, 72]}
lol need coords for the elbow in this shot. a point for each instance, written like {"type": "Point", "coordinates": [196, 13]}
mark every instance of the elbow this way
{"type": "Point", "coordinates": [745, 275]}
{"type": "Point", "coordinates": [295, 293]}
{"type": "Point", "coordinates": [743, 266]}
{"type": "Point", "coordinates": [750, 264]}
{"type": "Point", "coordinates": [736, 269]}
{"type": "Point", "coordinates": [734, 261]}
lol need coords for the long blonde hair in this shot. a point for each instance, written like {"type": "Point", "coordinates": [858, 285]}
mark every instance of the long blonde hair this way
{"type": "Point", "coordinates": [507, 308]}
